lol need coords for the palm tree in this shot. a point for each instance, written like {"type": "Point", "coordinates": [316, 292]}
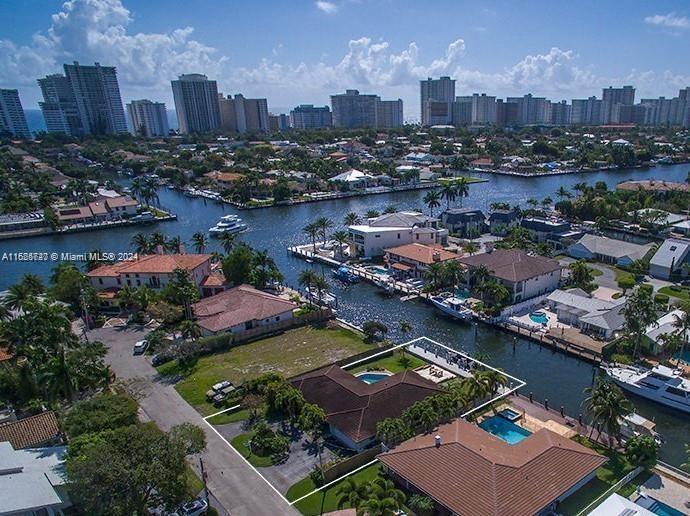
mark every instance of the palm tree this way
{"type": "Point", "coordinates": [351, 219]}
{"type": "Point", "coordinates": [141, 243]}
{"type": "Point", "coordinates": [200, 241]}
{"type": "Point", "coordinates": [433, 273]}
{"type": "Point", "coordinates": [682, 325]}
{"type": "Point", "coordinates": [372, 214]}
{"type": "Point", "coordinates": [563, 193]}
{"type": "Point", "coordinates": [606, 404]}
{"type": "Point", "coordinates": [475, 388]}
{"type": "Point", "coordinates": [384, 498]}
{"type": "Point", "coordinates": [462, 188]}
{"type": "Point", "coordinates": [580, 187]}
{"type": "Point", "coordinates": [493, 380]}
{"type": "Point", "coordinates": [227, 241]}
{"type": "Point", "coordinates": [57, 378]}
{"type": "Point", "coordinates": [340, 238]}
{"type": "Point", "coordinates": [432, 200]}
{"type": "Point", "coordinates": [33, 283]}
{"type": "Point", "coordinates": [351, 493]}
{"type": "Point", "coordinates": [143, 297]}
{"type": "Point", "coordinates": [449, 192]}
{"type": "Point", "coordinates": [324, 224]}
{"type": "Point", "coordinates": [173, 245]}
{"type": "Point", "coordinates": [470, 247]}
{"type": "Point", "coordinates": [17, 296]}
{"type": "Point", "coordinates": [125, 297]}
{"type": "Point", "coordinates": [307, 278]}
{"type": "Point", "coordinates": [321, 286]}
{"type": "Point", "coordinates": [157, 239]}
{"type": "Point", "coordinates": [312, 230]}
{"type": "Point", "coordinates": [190, 329]}
{"type": "Point", "coordinates": [390, 209]}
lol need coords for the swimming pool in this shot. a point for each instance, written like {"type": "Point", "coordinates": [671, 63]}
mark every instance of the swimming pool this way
{"type": "Point", "coordinates": [371, 377]}
{"type": "Point", "coordinates": [504, 429]}
{"type": "Point", "coordinates": [539, 318]}
{"type": "Point", "coordinates": [685, 357]}
{"type": "Point", "coordinates": [379, 270]}
{"type": "Point", "coordinates": [657, 507]}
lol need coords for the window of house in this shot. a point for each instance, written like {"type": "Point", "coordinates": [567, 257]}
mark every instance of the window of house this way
{"type": "Point", "coordinates": [100, 281]}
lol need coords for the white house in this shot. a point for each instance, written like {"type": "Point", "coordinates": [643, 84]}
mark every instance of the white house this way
{"type": "Point", "coordinates": [654, 334]}
{"type": "Point", "coordinates": [599, 317]}
{"type": "Point", "coordinates": [32, 481]}
{"type": "Point", "coordinates": [524, 275]}
{"type": "Point", "coordinates": [354, 178]}
{"type": "Point", "coordinates": [393, 230]}
{"type": "Point", "coordinates": [669, 258]}
{"type": "Point", "coordinates": [153, 270]}
{"type": "Point", "coordinates": [608, 250]}
{"type": "Point", "coordinates": [240, 309]}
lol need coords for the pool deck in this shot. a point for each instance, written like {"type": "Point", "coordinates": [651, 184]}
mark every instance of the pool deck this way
{"type": "Point", "coordinates": [668, 491]}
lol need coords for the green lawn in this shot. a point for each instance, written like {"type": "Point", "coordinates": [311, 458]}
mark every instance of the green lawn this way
{"type": "Point", "coordinates": [676, 291]}
{"type": "Point", "coordinates": [325, 500]}
{"type": "Point", "coordinates": [468, 179]}
{"type": "Point", "coordinates": [229, 417]}
{"type": "Point", "coordinates": [629, 488]}
{"type": "Point", "coordinates": [392, 362]}
{"type": "Point", "coordinates": [194, 483]}
{"type": "Point", "coordinates": [241, 444]}
{"type": "Point", "coordinates": [607, 476]}
{"type": "Point", "coordinates": [595, 272]}
{"type": "Point", "coordinates": [289, 353]}
{"type": "Point", "coordinates": [620, 274]}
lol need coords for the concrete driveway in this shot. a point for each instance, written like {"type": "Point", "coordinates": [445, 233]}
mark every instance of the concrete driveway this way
{"type": "Point", "coordinates": [607, 278]}
{"type": "Point", "coordinates": [233, 482]}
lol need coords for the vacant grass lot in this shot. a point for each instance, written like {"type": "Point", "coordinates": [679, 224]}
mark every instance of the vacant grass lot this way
{"type": "Point", "coordinates": [289, 353]}
{"type": "Point", "coordinates": [241, 444]}
{"type": "Point", "coordinates": [326, 500]}
{"type": "Point", "coordinates": [393, 362]}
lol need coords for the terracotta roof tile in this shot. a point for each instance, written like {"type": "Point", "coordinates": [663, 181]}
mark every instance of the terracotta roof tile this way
{"type": "Point", "coordinates": [475, 472]}
{"type": "Point", "coordinates": [152, 264]}
{"type": "Point", "coordinates": [238, 305]}
{"type": "Point", "coordinates": [355, 407]}
{"type": "Point", "coordinates": [31, 431]}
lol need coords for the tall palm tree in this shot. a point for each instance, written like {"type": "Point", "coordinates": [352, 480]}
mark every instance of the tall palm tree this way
{"type": "Point", "coordinates": [433, 274]}
{"type": "Point", "coordinates": [57, 378]}
{"type": "Point", "coordinates": [312, 230]}
{"type": "Point", "coordinates": [157, 239]}
{"type": "Point", "coordinates": [324, 224]}
{"type": "Point", "coordinates": [449, 192]}
{"type": "Point", "coordinates": [682, 325]}
{"type": "Point", "coordinates": [372, 214]}
{"type": "Point", "coordinates": [200, 241]}
{"type": "Point", "coordinates": [190, 329]}
{"type": "Point", "coordinates": [340, 238]}
{"type": "Point", "coordinates": [173, 244]}
{"type": "Point", "coordinates": [563, 193]}
{"type": "Point", "coordinates": [141, 244]}
{"type": "Point", "coordinates": [432, 200]}
{"type": "Point", "coordinates": [17, 297]}
{"type": "Point", "coordinates": [33, 283]}
{"type": "Point", "coordinates": [606, 404]}
{"type": "Point", "coordinates": [463, 189]}
{"type": "Point", "coordinates": [227, 241]}
{"type": "Point", "coordinates": [351, 219]}
{"type": "Point", "coordinates": [307, 278]}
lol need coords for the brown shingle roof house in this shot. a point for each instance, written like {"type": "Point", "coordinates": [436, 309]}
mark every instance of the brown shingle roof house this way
{"type": "Point", "coordinates": [241, 308]}
{"type": "Point", "coordinates": [474, 472]}
{"type": "Point", "coordinates": [353, 407]}
{"type": "Point", "coordinates": [30, 432]}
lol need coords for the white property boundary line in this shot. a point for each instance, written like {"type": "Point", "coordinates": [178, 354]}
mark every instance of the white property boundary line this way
{"type": "Point", "coordinates": [520, 384]}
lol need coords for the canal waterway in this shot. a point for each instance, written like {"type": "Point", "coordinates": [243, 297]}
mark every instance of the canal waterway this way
{"type": "Point", "coordinates": [549, 375]}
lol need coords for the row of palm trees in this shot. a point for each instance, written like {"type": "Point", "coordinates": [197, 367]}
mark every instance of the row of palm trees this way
{"type": "Point", "coordinates": [606, 404]}
{"type": "Point", "coordinates": [450, 190]}
{"type": "Point", "coordinates": [145, 189]}
{"type": "Point", "coordinates": [148, 244]}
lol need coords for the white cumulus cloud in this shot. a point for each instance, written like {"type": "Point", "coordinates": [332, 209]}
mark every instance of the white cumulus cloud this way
{"type": "Point", "coordinates": [670, 20]}
{"type": "Point", "coordinates": [327, 7]}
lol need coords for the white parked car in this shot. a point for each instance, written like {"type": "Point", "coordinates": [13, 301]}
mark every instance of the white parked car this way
{"type": "Point", "coordinates": [140, 347]}
{"type": "Point", "coordinates": [194, 508]}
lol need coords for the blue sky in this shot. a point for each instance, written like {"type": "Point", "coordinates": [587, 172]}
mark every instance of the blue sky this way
{"type": "Point", "coordinates": [302, 51]}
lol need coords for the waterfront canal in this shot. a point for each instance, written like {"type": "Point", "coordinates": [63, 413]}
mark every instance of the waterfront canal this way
{"type": "Point", "coordinates": [549, 375]}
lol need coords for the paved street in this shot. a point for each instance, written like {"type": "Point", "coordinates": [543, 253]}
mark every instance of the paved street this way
{"type": "Point", "coordinates": [232, 481]}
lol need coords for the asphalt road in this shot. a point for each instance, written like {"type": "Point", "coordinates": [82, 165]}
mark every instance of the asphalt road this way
{"type": "Point", "coordinates": [232, 481]}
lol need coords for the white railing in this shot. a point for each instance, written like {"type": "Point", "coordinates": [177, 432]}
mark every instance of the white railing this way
{"type": "Point", "coordinates": [523, 306]}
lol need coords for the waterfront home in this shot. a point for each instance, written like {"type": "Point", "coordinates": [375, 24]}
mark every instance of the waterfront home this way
{"type": "Point", "coordinates": [240, 309]}
{"type": "Point", "coordinates": [392, 230]}
{"type": "Point", "coordinates": [153, 270]}
{"type": "Point", "coordinates": [556, 233]}
{"type": "Point", "coordinates": [33, 481]}
{"type": "Point", "coordinates": [482, 164]}
{"type": "Point", "coordinates": [608, 250]}
{"type": "Point", "coordinates": [354, 179]}
{"type": "Point", "coordinates": [524, 275]}
{"type": "Point", "coordinates": [467, 470]}
{"type": "Point", "coordinates": [354, 407]}
{"type": "Point", "coordinates": [224, 179]}
{"type": "Point", "coordinates": [22, 221]}
{"type": "Point", "coordinates": [502, 221]}
{"type": "Point", "coordinates": [661, 188]}
{"type": "Point", "coordinates": [656, 332]}
{"type": "Point", "coordinates": [670, 258]}
{"type": "Point", "coordinates": [104, 208]}
{"type": "Point", "coordinates": [592, 315]}
{"type": "Point", "coordinates": [412, 260]}
{"type": "Point", "coordinates": [31, 432]}
{"type": "Point", "coordinates": [465, 222]}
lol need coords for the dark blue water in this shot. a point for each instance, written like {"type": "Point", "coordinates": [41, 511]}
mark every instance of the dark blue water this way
{"type": "Point", "coordinates": [550, 375]}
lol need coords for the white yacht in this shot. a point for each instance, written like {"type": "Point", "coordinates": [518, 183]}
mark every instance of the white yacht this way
{"type": "Point", "coordinates": [634, 424]}
{"type": "Point", "coordinates": [227, 226]}
{"type": "Point", "coordinates": [324, 297]}
{"type": "Point", "coordinates": [452, 306]}
{"type": "Point", "coordinates": [230, 218]}
{"type": "Point", "coordinates": [661, 384]}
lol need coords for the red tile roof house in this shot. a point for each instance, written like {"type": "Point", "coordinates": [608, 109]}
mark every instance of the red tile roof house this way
{"type": "Point", "coordinates": [353, 407]}
{"type": "Point", "coordinates": [241, 308]}
{"type": "Point", "coordinates": [469, 471]}
{"type": "Point", "coordinates": [153, 270]}
{"type": "Point", "coordinates": [412, 260]}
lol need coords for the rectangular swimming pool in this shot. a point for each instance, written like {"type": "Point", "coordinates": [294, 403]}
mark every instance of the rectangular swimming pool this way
{"type": "Point", "coordinates": [657, 507]}
{"type": "Point", "coordinates": [504, 429]}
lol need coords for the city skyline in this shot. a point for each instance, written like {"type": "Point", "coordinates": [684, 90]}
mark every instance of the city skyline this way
{"type": "Point", "coordinates": [318, 53]}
